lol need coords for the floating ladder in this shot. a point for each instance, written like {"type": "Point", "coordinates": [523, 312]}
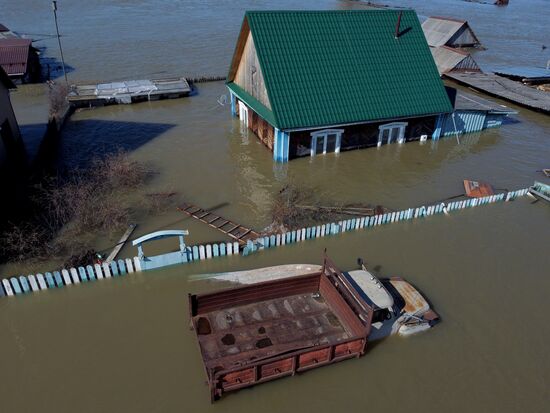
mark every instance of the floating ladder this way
{"type": "Point", "coordinates": [230, 228]}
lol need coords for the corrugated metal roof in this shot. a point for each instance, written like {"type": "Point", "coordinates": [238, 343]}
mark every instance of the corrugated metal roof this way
{"type": "Point", "coordinates": [335, 67]}
{"type": "Point", "coordinates": [14, 55]}
{"type": "Point", "coordinates": [448, 59]}
{"type": "Point", "coordinates": [440, 31]}
{"type": "Point", "coordinates": [469, 101]}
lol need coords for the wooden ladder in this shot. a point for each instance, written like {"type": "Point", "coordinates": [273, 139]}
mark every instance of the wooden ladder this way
{"type": "Point", "coordinates": [236, 231]}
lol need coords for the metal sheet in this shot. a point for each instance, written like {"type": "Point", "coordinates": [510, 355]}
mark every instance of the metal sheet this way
{"type": "Point", "coordinates": [524, 72]}
{"type": "Point", "coordinates": [439, 30]}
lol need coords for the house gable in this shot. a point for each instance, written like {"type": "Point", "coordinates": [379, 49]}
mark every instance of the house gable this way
{"type": "Point", "coordinates": [249, 74]}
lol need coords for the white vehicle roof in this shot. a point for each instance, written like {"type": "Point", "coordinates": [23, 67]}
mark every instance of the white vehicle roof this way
{"type": "Point", "coordinates": [372, 288]}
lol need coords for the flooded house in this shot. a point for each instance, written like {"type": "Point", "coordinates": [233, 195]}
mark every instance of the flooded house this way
{"type": "Point", "coordinates": [446, 31]}
{"type": "Point", "coordinates": [18, 57]}
{"type": "Point", "coordinates": [315, 82]}
{"type": "Point", "coordinates": [448, 39]}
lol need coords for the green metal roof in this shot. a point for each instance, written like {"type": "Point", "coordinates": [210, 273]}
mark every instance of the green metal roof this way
{"type": "Point", "coordinates": [335, 67]}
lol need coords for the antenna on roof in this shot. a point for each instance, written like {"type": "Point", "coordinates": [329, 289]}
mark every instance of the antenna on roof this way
{"type": "Point", "coordinates": [398, 25]}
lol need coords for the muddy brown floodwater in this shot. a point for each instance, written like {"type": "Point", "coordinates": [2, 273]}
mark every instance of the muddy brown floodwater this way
{"type": "Point", "coordinates": [123, 345]}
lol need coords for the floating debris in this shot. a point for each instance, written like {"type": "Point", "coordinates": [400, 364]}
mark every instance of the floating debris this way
{"type": "Point", "coordinates": [476, 189]}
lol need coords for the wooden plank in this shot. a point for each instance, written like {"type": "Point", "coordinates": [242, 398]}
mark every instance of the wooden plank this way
{"type": "Point", "coordinates": [245, 233]}
{"type": "Point", "coordinates": [121, 242]}
{"type": "Point", "coordinates": [222, 224]}
{"type": "Point", "coordinates": [232, 229]}
{"type": "Point", "coordinates": [210, 221]}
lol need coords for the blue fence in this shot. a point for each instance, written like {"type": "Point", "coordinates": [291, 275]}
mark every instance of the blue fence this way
{"type": "Point", "coordinates": [120, 268]}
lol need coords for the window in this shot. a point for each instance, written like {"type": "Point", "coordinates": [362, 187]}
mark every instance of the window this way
{"type": "Point", "coordinates": [326, 141]}
{"type": "Point", "coordinates": [391, 132]}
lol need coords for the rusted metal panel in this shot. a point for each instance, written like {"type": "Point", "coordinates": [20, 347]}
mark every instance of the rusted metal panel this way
{"type": "Point", "coordinates": [315, 357]}
{"type": "Point", "coordinates": [248, 335]}
{"type": "Point", "coordinates": [476, 189]}
{"type": "Point", "coordinates": [414, 302]}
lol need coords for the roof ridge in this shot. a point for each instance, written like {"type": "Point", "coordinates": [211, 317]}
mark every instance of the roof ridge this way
{"type": "Point", "coordinates": [327, 11]}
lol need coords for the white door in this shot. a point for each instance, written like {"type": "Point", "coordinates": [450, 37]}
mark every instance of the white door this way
{"type": "Point", "coordinates": [243, 113]}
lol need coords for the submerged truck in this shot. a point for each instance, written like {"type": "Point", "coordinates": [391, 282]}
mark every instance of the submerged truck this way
{"type": "Point", "coordinates": [292, 323]}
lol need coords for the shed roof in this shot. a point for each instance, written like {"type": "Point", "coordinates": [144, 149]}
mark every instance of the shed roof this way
{"type": "Point", "coordinates": [440, 31]}
{"type": "Point", "coordinates": [14, 55]}
{"type": "Point", "coordinates": [448, 59]}
{"type": "Point", "coordinates": [335, 67]}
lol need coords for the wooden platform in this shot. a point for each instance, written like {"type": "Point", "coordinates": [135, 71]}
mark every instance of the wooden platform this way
{"type": "Point", "coordinates": [504, 88]}
{"type": "Point", "coordinates": [228, 227]}
{"type": "Point", "coordinates": [129, 91]}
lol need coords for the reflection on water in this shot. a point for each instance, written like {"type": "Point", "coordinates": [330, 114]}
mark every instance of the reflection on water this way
{"type": "Point", "coordinates": [123, 345]}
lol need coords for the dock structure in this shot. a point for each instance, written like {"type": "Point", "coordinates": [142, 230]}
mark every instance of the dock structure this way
{"type": "Point", "coordinates": [504, 88]}
{"type": "Point", "coordinates": [236, 231]}
{"type": "Point", "coordinates": [129, 91]}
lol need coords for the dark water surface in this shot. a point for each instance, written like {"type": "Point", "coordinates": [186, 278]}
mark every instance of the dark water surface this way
{"type": "Point", "coordinates": [124, 344]}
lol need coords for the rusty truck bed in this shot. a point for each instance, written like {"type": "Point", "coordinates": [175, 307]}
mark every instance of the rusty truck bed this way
{"type": "Point", "coordinates": [261, 332]}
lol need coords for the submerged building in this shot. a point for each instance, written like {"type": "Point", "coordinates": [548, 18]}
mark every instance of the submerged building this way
{"type": "Point", "coordinates": [315, 82]}
{"type": "Point", "coordinates": [446, 31]}
{"type": "Point", "coordinates": [18, 57]}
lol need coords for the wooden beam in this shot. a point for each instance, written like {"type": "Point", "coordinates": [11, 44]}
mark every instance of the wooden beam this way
{"type": "Point", "coordinates": [121, 243]}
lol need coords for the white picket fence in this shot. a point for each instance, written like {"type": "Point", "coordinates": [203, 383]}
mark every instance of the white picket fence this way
{"type": "Point", "coordinates": [57, 279]}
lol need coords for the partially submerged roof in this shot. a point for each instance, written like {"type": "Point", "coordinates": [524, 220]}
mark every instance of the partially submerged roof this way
{"type": "Point", "coordinates": [448, 59]}
{"type": "Point", "coordinates": [469, 101]}
{"type": "Point", "coordinates": [441, 31]}
{"type": "Point", "coordinates": [14, 55]}
{"type": "Point", "coordinates": [525, 73]}
{"type": "Point", "coordinates": [326, 68]}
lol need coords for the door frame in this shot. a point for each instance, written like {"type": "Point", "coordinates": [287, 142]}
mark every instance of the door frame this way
{"type": "Point", "coordinates": [243, 113]}
{"type": "Point", "coordinates": [323, 134]}
{"type": "Point", "coordinates": [390, 127]}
